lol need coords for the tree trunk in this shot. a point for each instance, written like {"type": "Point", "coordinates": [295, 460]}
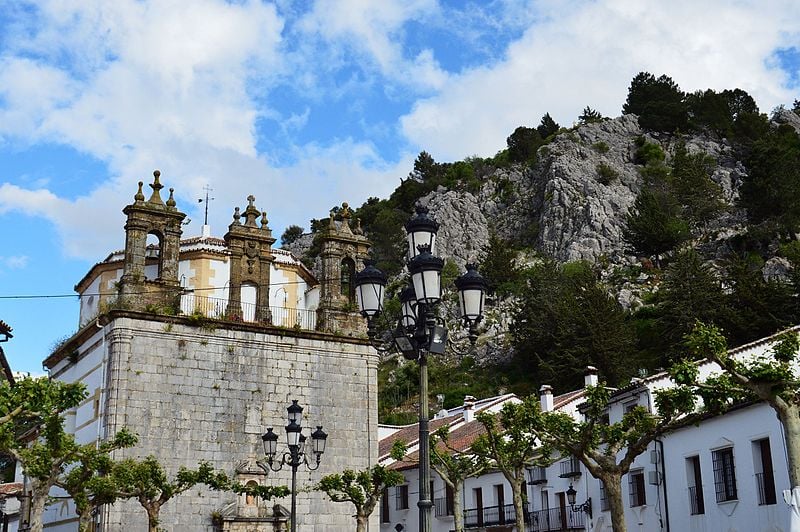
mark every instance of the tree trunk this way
{"type": "Point", "coordinates": [361, 523]}
{"type": "Point", "coordinates": [613, 487]}
{"type": "Point", "coordinates": [39, 496]}
{"type": "Point", "coordinates": [519, 505]}
{"type": "Point", "coordinates": [790, 417]}
{"type": "Point", "coordinates": [153, 509]}
{"type": "Point", "coordinates": [458, 510]}
{"type": "Point", "coordinates": [85, 520]}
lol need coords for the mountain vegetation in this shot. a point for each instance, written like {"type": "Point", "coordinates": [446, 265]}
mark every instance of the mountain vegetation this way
{"type": "Point", "coordinates": [603, 242]}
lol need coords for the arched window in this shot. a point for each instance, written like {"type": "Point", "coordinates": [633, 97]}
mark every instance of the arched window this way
{"type": "Point", "coordinates": [348, 271]}
{"type": "Point", "coordinates": [152, 269]}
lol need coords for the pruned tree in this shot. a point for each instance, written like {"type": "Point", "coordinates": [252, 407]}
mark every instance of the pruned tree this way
{"type": "Point", "coordinates": [772, 377]}
{"type": "Point", "coordinates": [511, 446]}
{"type": "Point", "coordinates": [88, 482]}
{"type": "Point", "coordinates": [363, 489]}
{"type": "Point", "coordinates": [32, 431]}
{"type": "Point", "coordinates": [454, 466]}
{"type": "Point", "coordinates": [146, 481]}
{"type": "Point", "coordinates": [606, 449]}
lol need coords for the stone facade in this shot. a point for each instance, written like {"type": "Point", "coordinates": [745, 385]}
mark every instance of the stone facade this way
{"type": "Point", "coordinates": [251, 257]}
{"type": "Point", "coordinates": [151, 217]}
{"type": "Point", "coordinates": [197, 394]}
{"type": "Point", "coordinates": [205, 385]}
{"type": "Point", "coordinates": [343, 251]}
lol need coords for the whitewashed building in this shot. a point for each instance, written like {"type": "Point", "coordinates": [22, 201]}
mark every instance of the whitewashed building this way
{"type": "Point", "coordinates": [725, 474]}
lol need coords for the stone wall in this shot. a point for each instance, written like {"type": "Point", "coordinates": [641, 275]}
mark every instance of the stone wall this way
{"type": "Point", "coordinates": [197, 394]}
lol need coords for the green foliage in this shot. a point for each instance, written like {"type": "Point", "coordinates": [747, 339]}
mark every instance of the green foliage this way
{"type": "Point", "coordinates": [88, 482]}
{"type": "Point", "coordinates": [589, 115]}
{"type": "Point", "coordinates": [690, 178]}
{"type": "Point", "coordinates": [689, 291]}
{"type": "Point", "coordinates": [773, 183]}
{"type": "Point", "coordinates": [291, 234]}
{"type": "Point", "coordinates": [648, 152]}
{"type": "Point", "coordinates": [509, 445]}
{"type": "Point", "coordinates": [605, 173]}
{"type": "Point", "coordinates": [497, 265]}
{"type": "Point", "coordinates": [654, 225]}
{"type": "Point", "coordinates": [363, 489]}
{"type": "Point", "coordinates": [600, 147]}
{"type": "Point", "coordinates": [566, 320]}
{"type": "Point", "coordinates": [522, 144]}
{"type": "Point", "coordinates": [658, 102]}
{"type": "Point", "coordinates": [547, 126]}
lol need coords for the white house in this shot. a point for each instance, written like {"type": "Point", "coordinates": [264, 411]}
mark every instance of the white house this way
{"type": "Point", "coordinates": [726, 473]}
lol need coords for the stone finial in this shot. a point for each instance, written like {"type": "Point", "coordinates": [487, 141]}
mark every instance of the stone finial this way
{"type": "Point", "coordinates": [251, 213]}
{"type": "Point", "coordinates": [156, 186]}
{"type": "Point", "coordinates": [346, 212]}
{"type": "Point", "coordinates": [251, 201]}
{"type": "Point", "coordinates": [332, 222]}
{"type": "Point", "coordinates": [264, 220]}
{"type": "Point", "coordinates": [236, 216]}
{"type": "Point", "coordinates": [358, 230]}
{"type": "Point", "coordinates": [139, 195]}
{"type": "Point", "coordinates": [171, 201]}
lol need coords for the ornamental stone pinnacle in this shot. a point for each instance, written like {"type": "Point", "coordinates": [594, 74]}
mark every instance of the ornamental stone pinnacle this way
{"type": "Point", "coordinates": [156, 186]}
{"type": "Point", "coordinates": [139, 197]}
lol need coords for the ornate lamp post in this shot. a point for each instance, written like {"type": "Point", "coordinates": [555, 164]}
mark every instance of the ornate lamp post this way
{"type": "Point", "coordinates": [585, 507]}
{"type": "Point", "coordinates": [297, 454]}
{"type": "Point", "coordinates": [417, 333]}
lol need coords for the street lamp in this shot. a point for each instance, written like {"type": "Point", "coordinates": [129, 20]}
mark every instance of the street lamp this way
{"type": "Point", "coordinates": [297, 454]}
{"type": "Point", "coordinates": [585, 507]}
{"type": "Point", "coordinates": [418, 333]}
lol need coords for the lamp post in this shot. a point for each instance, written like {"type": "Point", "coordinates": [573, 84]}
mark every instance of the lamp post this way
{"type": "Point", "coordinates": [418, 333]}
{"type": "Point", "coordinates": [585, 507]}
{"type": "Point", "coordinates": [297, 454]}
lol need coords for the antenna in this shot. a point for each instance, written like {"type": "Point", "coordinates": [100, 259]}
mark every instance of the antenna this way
{"type": "Point", "coordinates": [207, 189]}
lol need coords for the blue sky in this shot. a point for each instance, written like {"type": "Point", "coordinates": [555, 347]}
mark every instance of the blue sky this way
{"type": "Point", "coordinates": [306, 105]}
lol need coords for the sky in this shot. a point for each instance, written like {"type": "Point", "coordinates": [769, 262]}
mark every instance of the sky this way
{"type": "Point", "coordinates": [307, 104]}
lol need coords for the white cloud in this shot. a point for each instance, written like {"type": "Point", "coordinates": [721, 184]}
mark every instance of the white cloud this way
{"type": "Point", "coordinates": [586, 53]}
{"type": "Point", "coordinates": [15, 262]}
{"type": "Point", "coordinates": [374, 31]}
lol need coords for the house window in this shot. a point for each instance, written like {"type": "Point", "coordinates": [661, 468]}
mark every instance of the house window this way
{"type": "Point", "coordinates": [449, 496]}
{"type": "Point", "coordinates": [695, 481]}
{"type": "Point", "coordinates": [765, 477]}
{"type": "Point", "coordinates": [724, 474]}
{"type": "Point", "coordinates": [636, 488]}
{"type": "Point", "coordinates": [604, 506]}
{"type": "Point", "coordinates": [385, 506]}
{"type": "Point", "coordinates": [630, 406]}
{"type": "Point", "coordinates": [401, 497]}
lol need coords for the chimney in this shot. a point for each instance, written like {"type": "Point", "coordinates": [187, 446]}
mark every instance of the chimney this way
{"type": "Point", "coordinates": [590, 376]}
{"type": "Point", "coordinates": [546, 397]}
{"type": "Point", "coordinates": [469, 408]}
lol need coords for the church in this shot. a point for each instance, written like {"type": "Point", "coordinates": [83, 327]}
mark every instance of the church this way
{"type": "Point", "coordinates": [199, 345]}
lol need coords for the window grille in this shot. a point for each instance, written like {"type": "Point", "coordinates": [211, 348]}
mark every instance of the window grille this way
{"type": "Point", "coordinates": [724, 474]}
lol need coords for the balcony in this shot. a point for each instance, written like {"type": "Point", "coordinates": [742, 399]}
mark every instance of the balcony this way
{"type": "Point", "coordinates": [490, 516]}
{"type": "Point", "coordinates": [557, 519]}
{"type": "Point", "coordinates": [217, 308]}
{"type": "Point", "coordinates": [538, 475]}
{"type": "Point", "coordinates": [570, 468]}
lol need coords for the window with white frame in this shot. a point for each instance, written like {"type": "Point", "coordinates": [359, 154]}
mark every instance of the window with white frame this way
{"type": "Point", "coordinates": [401, 497]}
{"type": "Point", "coordinates": [724, 474]}
{"type": "Point", "coordinates": [636, 488]}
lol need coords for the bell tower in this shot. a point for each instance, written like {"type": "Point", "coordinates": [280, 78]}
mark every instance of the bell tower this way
{"type": "Point", "coordinates": [163, 221]}
{"type": "Point", "coordinates": [251, 258]}
{"type": "Point", "coordinates": [343, 251]}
